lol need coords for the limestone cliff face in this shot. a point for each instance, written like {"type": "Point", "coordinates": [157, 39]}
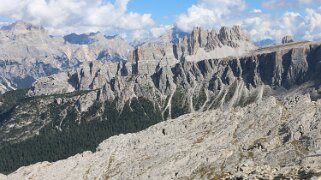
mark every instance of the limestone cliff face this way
{"type": "Point", "coordinates": [270, 139]}
{"type": "Point", "coordinates": [281, 67]}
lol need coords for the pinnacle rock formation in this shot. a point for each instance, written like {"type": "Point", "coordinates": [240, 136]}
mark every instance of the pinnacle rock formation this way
{"type": "Point", "coordinates": [287, 39]}
{"type": "Point", "coordinates": [201, 44]}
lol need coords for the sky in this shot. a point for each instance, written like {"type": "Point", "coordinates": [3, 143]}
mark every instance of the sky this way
{"type": "Point", "coordinates": [138, 19]}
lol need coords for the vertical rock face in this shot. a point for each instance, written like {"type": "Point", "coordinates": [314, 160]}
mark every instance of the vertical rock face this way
{"type": "Point", "coordinates": [287, 39]}
{"type": "Point", "coordinates": [231, 36]}
{"type": "Point", "coordinates": [285, 67]}
{"type": "Point", "coordinates": [202, 44]}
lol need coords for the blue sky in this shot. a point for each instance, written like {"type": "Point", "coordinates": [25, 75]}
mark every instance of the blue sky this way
{"type": "Point", "coordinates": [262, 19]}
{"type": "Point", "coordinates": [163, 11]}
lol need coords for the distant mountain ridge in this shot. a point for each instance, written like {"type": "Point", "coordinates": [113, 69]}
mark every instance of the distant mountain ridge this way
{"type": "Point", "coordinates": [28, 52]}
{"type": "Point", "coordinates": [265, 42]}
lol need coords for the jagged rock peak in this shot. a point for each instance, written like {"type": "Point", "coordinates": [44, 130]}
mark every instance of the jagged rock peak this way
{"type": "Point", "coordinates": [287, 39]}
{"type": "Point", "coordinates": [234, 33]}
{"type": "Point", "coordinates": [201, 44]}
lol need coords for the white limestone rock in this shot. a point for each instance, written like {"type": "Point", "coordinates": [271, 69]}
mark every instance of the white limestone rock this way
{"type": "Point", "coordinates": [252, 142]}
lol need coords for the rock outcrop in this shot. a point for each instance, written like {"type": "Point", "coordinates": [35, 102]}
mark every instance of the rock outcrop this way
{"type": "Point", "coordinates": [287, 39]}
{"type": "Point", "coordinates": [271, 139]}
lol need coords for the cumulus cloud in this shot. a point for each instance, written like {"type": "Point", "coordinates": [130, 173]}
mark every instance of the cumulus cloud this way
{"type": "Point", "coordinates": [151, 33]}
{"type": "Point", "coordinates": [160, 30]}
{"type": "Point", "coordinates": [3, 24]}
{"type": "Point", "coordinates": [256, 11]}
{"type": "Point", "coordinates": [209, 13]}
{"type": "Point", "coordinates": [260, 25]}
{"type": "Point", "coordinates": [61, 16]}
{"type": "Point", "coordinates": [288, 3]}
{"type": "Point", "coordinates": [312, 22]}
{"type": "Point", "coordinates": [302, 27]}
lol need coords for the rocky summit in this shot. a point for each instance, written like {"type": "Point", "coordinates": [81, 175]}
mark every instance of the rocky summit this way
{"type": "Point", "coordinates": [201, 44]}
{"type": "Point", "coordinates": [205, 105]}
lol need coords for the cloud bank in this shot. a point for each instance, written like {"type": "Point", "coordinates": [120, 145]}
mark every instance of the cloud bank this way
{"type": "Point", "coordinates": [210, 13]}
{"type": "Point", "coordinates": [61, 16]}
{"type": "Point", "coordinates": [83, 16]}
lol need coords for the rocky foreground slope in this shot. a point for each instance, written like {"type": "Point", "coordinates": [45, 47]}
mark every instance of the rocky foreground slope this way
{"type": "Point", "coordinates": [273, 138]}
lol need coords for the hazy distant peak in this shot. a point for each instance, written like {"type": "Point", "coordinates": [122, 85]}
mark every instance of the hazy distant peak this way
{"type": "Point", "coordinates": [21, 26]}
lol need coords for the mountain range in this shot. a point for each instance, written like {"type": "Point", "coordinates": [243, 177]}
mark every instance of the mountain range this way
{"type": "Point", "coordinates": [204, 105]}
{"type": "Point", "coordinates": [28, 52]}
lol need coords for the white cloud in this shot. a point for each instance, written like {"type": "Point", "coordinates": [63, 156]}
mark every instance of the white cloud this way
{"type": "Point", "coordinates": [209, 14]}
{"type": "Point", "coordinates": [258, 27]}
{"type": "Point", "coordinates": [289, 3]}
{"type": "Point", "coordinates": [61, 16]}
{"type": "Point", "coordinates": [3, 24]}
{"type": "Point", "coordinates": [66, 16]}
{"type": "Point", "coordinates": [256, 11]}
{"type": "Point", "coordinates": [302, 27]}
{"type": "Point", "coordinates": [313, 24]}
{"type": "Point", "coordinates": [160, 30]}
{"type": "Point", "coordinates": [216, 13]}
